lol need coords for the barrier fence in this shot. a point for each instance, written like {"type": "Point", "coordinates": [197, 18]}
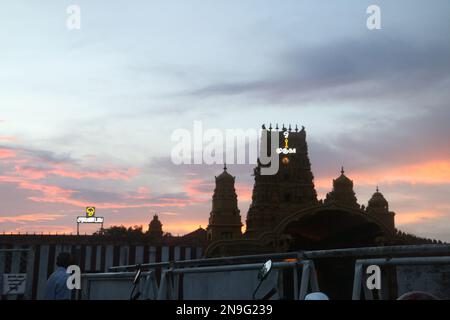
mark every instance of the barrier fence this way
{"type": "Point", "coordinates": [407, 277]}
{"type": "Point", "coordinates": [178, 273]}
{"type": "Point", "coordinates": [38, 262]}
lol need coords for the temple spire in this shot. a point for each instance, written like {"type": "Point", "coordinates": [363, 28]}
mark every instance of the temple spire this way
{"type": "Point", "coordinates": [342, 192]}
{"type": "Point", "coordinates": [225, 219]}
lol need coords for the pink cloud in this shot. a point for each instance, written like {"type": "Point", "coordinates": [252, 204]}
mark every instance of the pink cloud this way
{"type": "Point", "coordinates": [8, 139]}
{"type": "Point", "coordinates": [49, 193]}
{"type": "Point", "coordinates": [35, 217]}
{"type": "Point", "coordinates": [7, 153]}
{"type": "Point", "coordinates": [59, 170]}
{"type": "Point", "coordinates": [143, 193]}
{"type": "Point", "coordinates": [199, 190]}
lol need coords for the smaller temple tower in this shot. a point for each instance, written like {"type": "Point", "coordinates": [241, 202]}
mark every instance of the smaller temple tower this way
{"type": "Point", "coordinates": [379, 208]}
{"type": "Point", "coordinates": [342, 192]}
{"type": "Point", "coordinates": [155, 227]}
{"type": "Point", "coordinates": [225, 219]}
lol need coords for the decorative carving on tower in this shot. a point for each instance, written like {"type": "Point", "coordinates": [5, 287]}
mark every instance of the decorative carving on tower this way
{"type": "Point", "coordinates": [342, 192]}
{"type": "Point", "coordinates": [289, 190]}
{"type": "Point", "coordinates": [379, 207]}
{"type": "Point", "coordinates": [225, 219]}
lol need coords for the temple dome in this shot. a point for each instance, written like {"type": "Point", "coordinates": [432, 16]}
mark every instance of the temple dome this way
{"type": "Point", "coordinates": [378, 206]}
{"type": "Point", "coordinates": [155, 222]}
{"type": "Point", "coordinates": [225, 176]}
{"type": "Point", "coordinates": [343, 180]}
{"type": "Point", "coordinates": [342, 192]}
{"type": "Point", "coordinates": [378, 201]}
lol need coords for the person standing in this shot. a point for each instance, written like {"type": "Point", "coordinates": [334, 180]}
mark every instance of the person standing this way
{"type": "Point", "coordinates": [57, 282]}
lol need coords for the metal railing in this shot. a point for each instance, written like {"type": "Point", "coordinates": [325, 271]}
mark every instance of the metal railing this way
{"type": "Point", "coordinates": [98, 286]}
{"type": "Point", "coordinates": [209, 261]}
{"type": "Point", "coordinates": [392, 255]}
{"type": "Point", "coordinates": [359, 275]}
{"type": "Point", "coordinates": [313, 254]}
{"type": "Point", "coordinates": [170, 279]}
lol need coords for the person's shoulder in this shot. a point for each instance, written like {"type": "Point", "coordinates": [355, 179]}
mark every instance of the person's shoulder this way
{"type": "Point", "coordinates": [58, 273]}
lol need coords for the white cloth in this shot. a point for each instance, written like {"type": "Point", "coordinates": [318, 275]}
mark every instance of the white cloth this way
{"type": "Point", "coordinates": [317, 296]}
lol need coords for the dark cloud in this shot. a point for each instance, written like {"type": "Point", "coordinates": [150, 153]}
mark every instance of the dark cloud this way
{"type": "Point", "coordinates": [41, 155]}
{"type": "Point", "coordinates": [372, 67]}
{"type": "Point", "coordinates": [128, 198]}
{"type": "Point", "coordinates": [420, 137]}
{"type": "Point", "coordinates": [97, 196]}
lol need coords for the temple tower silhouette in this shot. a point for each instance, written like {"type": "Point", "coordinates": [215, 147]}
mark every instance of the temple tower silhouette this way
{"type": "Point", "coordinates": [342, 192]}
{"type": "Point", "coordinates": [225, 219]}
{"type": "Point", "coordinates": [289, 190]}
{"type": "Point", "coordinates": [155, 227]}
{"type": "Point", "coordinates": [379, 207]}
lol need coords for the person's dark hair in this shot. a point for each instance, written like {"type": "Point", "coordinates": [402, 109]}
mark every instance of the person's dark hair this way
{"type": "Point", "coordinates": [64, 259]}
{"type": "Point", "coordinates": [418, 295]}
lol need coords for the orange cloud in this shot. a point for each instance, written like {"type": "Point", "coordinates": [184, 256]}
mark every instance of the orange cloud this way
{"type": "Point", "coordinates": [35, 217]}
{"type": "Point", "coordinates": [44, 229]}
{"type": "Point", "coordinates": [416, 217]}
{"type": "Point", "coordinates": [183, 227]}
{"type": "Point", "coordinates": [244, 191]}
{"type": "Point", "coordinates": [432, 172]}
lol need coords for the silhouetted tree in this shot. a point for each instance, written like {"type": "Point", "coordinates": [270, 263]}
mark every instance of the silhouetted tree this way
{"type": "Point", "coordinates": [121, 231]}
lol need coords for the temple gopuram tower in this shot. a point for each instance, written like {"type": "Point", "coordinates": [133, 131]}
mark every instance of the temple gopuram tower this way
{"type": "Point", "coordinates": [289, 190]}
{"type": "Point", "coordinates": [225, 219]}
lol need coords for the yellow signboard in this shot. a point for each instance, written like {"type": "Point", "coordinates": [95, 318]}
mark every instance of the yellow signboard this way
{"type": "Point", "coordinates": [90, 211]}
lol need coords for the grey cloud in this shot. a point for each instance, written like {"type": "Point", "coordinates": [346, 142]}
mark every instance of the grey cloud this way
{"type": "Point", "coordinates": [132, 198]}
{"type": "Point", "coordinates": [417, 138]}
{"type": "Point", "coordinates": [373, 66]}
{"type": "Point", "coordinates": [42, 155]}
{"type": "Point", "coordinates": [165, 167]}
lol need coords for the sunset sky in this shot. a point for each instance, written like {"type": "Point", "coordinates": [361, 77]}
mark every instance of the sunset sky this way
{"type": "Point", "coordinates": [86, 115]}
